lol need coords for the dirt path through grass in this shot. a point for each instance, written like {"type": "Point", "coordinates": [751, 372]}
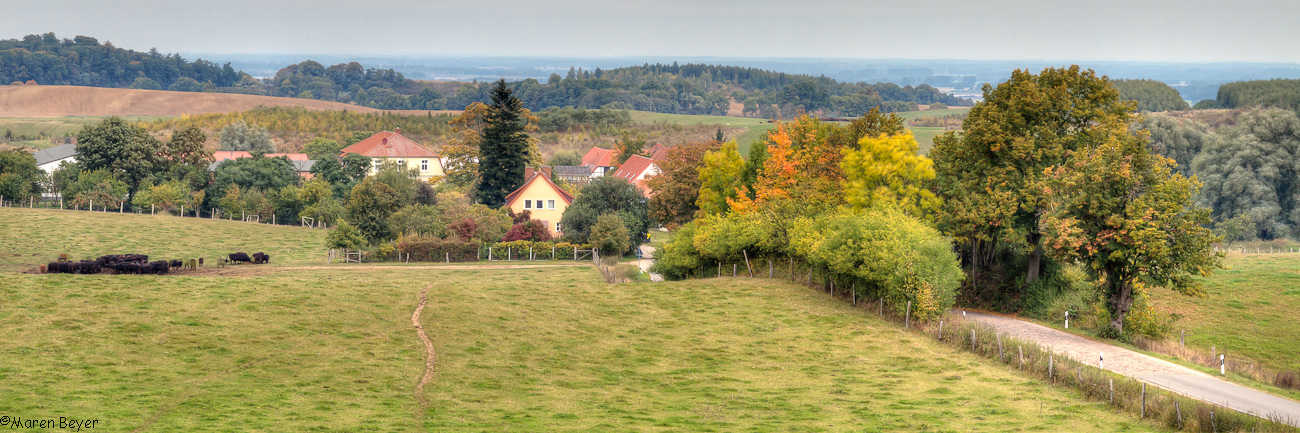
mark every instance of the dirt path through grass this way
{"type": "Point", "coordinates": [1148, 369]}
{"type": "Point", "coordinates": [430, 355]}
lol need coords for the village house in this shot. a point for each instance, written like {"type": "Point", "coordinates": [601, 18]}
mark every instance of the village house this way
{"type": "Point", "coordinates": [638, 170]}
{"type": "Point", "coordinates": [542, 198]}
{"type": "Point", "coordinates": [391, 147]}
{"type": "Point", "coordinates": [49, 159]}
{"type": "Point", "coordinates": [600, 160]}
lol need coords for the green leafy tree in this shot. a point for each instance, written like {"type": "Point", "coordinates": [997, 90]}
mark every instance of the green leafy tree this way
{"type": "Point", "coordinates": [258, 172]}
{"type": "Point", "coordinates": [992, 177]}
{"type": "Point", "coordinates": [503, 150]}
{"type": "Point", "coordinates": [127, 150]}
{"type": "Point", "coordinates": [1174, 138]}
{"type": "Point", "coordinates": [345, 236]}
{"type": "Point", "coordinates": [20, 178]}
{"type": "Point", "coordinates": [627, 145]}
{"type": "Point", "coordinates": [322, 148]}
{"type": "Point", "coordinates": [565, 158]}
{"type": "Point", "coordinates": [241, 136]}
{"type": "Point", "coordinates": [720, 178]}
{"type": "Point", "coordinates": [677, 187]}
{"type": "Point", "coordinates": [888, 170]}
{"type": "Point", "coordinates": [100, 188]}
{"type": "Point", "coordinates": [417, 219]}
{"type": "Point", "coordinates": [404, 181]}
{"type": "Point", "coordinates": [610, 235]}
{"type": "Point", "coordinates": [369, 205]}
{"type": "Point", "coordinates": [1253, 169]}
{"type": "Point", "coordinates": [606, 195]}
{"type": "Point", "coordinates": [1123, 212]}
{"type": "Point", "coordinates": [1150, 95]}
{"type": "Point", "coordinates": [344, 174]}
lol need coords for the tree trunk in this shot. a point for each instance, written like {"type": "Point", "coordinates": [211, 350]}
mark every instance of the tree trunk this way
{"type": "Point", "coordinates": [1121, 300]}
{"type": "Point", "coordinates": [1035, 259]}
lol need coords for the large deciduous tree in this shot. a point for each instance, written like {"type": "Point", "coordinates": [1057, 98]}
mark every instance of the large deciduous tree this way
{"type": "Point", "coordinates": [369, 205]}
{"type": "Point", "coordinates": [126, 150]}
{"type": "Point", "coordinates": [503, 150]}
{"type": "Point", "coordinates": [19, 176]}
{"type": "Point", "coordinates": [677, 187]}
{"type": "Point", "coordinates": [888, 170]}
{"type": "Point", "coordinates": [606, 195]}
{"type": "Point", "coordinates": [1120, 209]}
{"type": "Point", "coordinates": [241, 136]}
{"type": "Point", "coordinates": [992, 176]}
{"type": "Point", "coordinates": [1253, 169]}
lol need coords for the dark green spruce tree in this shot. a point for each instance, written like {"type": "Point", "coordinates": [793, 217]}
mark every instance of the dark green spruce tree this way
{"type": "Point", "coordinates": [503, 149]}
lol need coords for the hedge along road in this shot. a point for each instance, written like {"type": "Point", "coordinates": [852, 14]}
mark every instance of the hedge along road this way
{"type": "Point", "coordinates": [1148, 369]}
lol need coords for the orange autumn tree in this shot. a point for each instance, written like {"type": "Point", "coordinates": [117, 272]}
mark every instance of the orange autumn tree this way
{"type": "Point", "coordinates": [802, 174]}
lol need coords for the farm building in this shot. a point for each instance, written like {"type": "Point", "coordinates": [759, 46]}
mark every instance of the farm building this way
{"type": "Point", "coordinates": [49, 159]}
{"type": "Point", "coordinates": [391, 147]}
{"type": "Point", "coordinates": [600, 160]}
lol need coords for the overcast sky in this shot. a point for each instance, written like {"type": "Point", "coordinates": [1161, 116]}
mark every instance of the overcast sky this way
{"type": "Point", "coordinates": [1123, 30]}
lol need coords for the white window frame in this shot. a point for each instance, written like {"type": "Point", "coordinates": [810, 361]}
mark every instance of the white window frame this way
{"type": "Point", "coordinates": [557, 227]}
{"type": "Point", "coordinates": [401, 163]}
{"type": "Point", "coordinates": [424, 165]}
{"type": "Point", "coordinates": [528, 204]}
{"type": "Point", "coordinates": [550, 204]}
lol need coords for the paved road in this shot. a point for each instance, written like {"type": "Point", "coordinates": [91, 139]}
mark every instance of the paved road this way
{"type": "Point", "coordinates": [647, 259]}
{"type": "Point", "coordinates": [1148, 369]}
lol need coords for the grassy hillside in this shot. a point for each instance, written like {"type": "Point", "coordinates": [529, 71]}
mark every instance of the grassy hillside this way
{"type": "Point", "coordinates": [36, 131]}
{"type": "Point", "coordinates": [1251, 309]}
{"type": "Point", "coordinates": [285, 348]}
{"type": "Point", "coordinates": [36, 236]}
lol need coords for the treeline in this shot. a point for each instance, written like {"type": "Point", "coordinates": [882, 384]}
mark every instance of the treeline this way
{"type": "Point", "coordinates": [1282, 93]}
{"type": "Point", "coordinates": [682, 89]}
{"type": "Point", "coordinates": [83, 61]}
{"type": "Point", "coordinates": [1150, 95]}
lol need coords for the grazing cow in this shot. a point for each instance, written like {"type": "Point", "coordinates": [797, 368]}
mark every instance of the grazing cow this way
{"type": "Point", "coordinates": [192, 264]}
{"type": "Point", "coordinates": [222, 263]}
{"type": "Point", "coordinates": [200, 262]}
{"type": "Point", "coordinates": [87, 267]}
{"type": "Point", "coordinates": [159, 267]}
{"type": "Point", "coordinates": [42, 269]}
{"type": "Point", "coordinates": [54, 268]}
{"type": "Point", "coordinates": [260, 257]}
{"type": "Point", "coordinates": [63, 258]}
{"type": "Point", "coordinates": [177, 263]}
{"type": "Point", "coordinates": [240, 258]}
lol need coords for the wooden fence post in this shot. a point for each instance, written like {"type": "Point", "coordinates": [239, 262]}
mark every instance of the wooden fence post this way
{"type": "Point", "coordinates": [748, 268]}
{"type": "Point", "coordinates": [907, 318]}
{"type": "Point", "coordinates": [1178, 410]}
{"type": "Point", "coordinates": [769, 268]}
{"type": "Point", "coordinates": [882, 306]}
{"type": "Point", "coordinates": [1051, 364]}
{"type": "Point", "coordinates": [448, 256]}
{"type": "Point", "coordinates": [972, 340]}
{"type": "Point", "coordinates": [1021, 349]}
{"type": "Point", "coordinates": [1144, 400]}
{"type": "Point", "coordinates": [1112, 391]}
{"type": "Point", "coordinates": [734, 266]}
{"type": "Point", "coordinates": [575, 253]}
{"type": "Point", "coordinates": [940, 330]}
{"type": "Point", "coordinates": [1000, 357]}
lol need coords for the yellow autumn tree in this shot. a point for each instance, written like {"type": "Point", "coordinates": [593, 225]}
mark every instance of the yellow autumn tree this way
{"type": "Point", "coordinates": [720, 179]}
{"type": "Point", "coordinates": [887, 169]}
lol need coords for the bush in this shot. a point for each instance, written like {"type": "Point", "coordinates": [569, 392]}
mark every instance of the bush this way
{"type": "Point", "coordinates": [432, 249]}
{"type": "Point", "coordinates": [344, 235]}
{"type": "Point", "coordinates": [610, 235]}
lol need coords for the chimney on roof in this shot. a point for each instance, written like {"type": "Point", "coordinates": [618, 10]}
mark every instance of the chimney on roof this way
{"type": "Point", "coordinates": [398, 131]}
{"type": "Point", "coordinates": [547, 171]}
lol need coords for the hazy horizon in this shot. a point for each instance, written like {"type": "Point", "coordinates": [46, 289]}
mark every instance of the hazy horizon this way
{"type": "Point", "coordinates": [992, 30]}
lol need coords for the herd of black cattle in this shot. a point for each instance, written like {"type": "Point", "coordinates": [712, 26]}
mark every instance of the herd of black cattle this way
{"type": "Point", "coordinates": [139, 264]}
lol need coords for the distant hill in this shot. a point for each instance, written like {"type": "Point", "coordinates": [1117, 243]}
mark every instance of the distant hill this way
{"type": "Point", "coordinates": [59, 101]}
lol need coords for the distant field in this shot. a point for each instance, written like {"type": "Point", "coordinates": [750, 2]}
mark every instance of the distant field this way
{"type": "Point", "coordinates": [285, 348]}
{"type": "Point", "coordinates": [36, 237]}
{"type": "Point", "coordinates": [925, 137]}
{"type": "Point", "coordinates": [909, 115]}
{"type": "Point", "coordinates": [51, 127]}
{"type": "Point", "coordinates": [1251, 309]}
{"type": "Point", "coordinates": [60, 101]}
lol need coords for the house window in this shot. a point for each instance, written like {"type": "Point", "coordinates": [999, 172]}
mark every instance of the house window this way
{"type": "Point", "coordinates": [557, 228]}
{"type": "Point", "coordinates": [401, 162]}
{"type": "Point", "coordinates": [528, 204]}
{"type": "Point", "coordinates": [424, 165]}
{"type": "Point", "coordinates": [550, 204]}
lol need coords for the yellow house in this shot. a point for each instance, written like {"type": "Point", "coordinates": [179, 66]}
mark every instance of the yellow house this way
{"type": "Point", "coordinates": [393, 148]}
{"type": "Point", "coordinates": [544, 200]}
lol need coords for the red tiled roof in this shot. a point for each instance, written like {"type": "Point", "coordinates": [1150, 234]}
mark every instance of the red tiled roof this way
{"type": "Point", "coordinates": [598, 157]}
{"type": "Point", "coordinates": [633, 167]}
{"type": "Point", "coordinates": [389, 144]}
{"type": "Point", "coordinates": [658, 152]}
{"type": "Point", "coordinates": [510, 199]}
{"type": "Point", "coordinates": [222, 155]}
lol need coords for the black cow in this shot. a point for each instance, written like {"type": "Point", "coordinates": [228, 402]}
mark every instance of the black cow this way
{"type": "Point", "coordinates": [86, 267]}
{"type": "Point", "coordinates": [158, 267]}
{"type": "Point", "coordinates": [128, 268]}
{"type": "Point", "coordinates": [240, 258]}
{"type": "Point", "coordinates": [177, 263]}
{"type": "Point", "coordinates": [54, 268]}
{"type": "Point", "coordinates": [261, 258]}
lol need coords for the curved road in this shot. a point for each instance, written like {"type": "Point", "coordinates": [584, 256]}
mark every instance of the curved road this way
{"type": "Point", "coordinates": [1148, 369]}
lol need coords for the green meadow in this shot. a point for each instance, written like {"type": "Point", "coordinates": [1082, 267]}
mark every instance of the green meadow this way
{"type": "Point", "coordinates": [297, 346]}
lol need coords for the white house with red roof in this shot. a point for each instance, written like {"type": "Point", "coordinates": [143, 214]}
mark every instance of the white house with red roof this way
{"type": "Point", "coordinates": [391, 147]}
{"type": "Point", "coordinates": [600, 160]}
{"type": "Point", "coordinates": [543, 199]}
{"type": "Point", "coordinates": [637, 170]}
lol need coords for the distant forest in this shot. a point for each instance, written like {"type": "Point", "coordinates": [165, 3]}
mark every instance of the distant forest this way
{"type": "Point", "coordinates": [1150, 95]}
{"type": "Point", "coordinates": [1279, 93]}
{"type": "Point", "coordinates": [683, 89]}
